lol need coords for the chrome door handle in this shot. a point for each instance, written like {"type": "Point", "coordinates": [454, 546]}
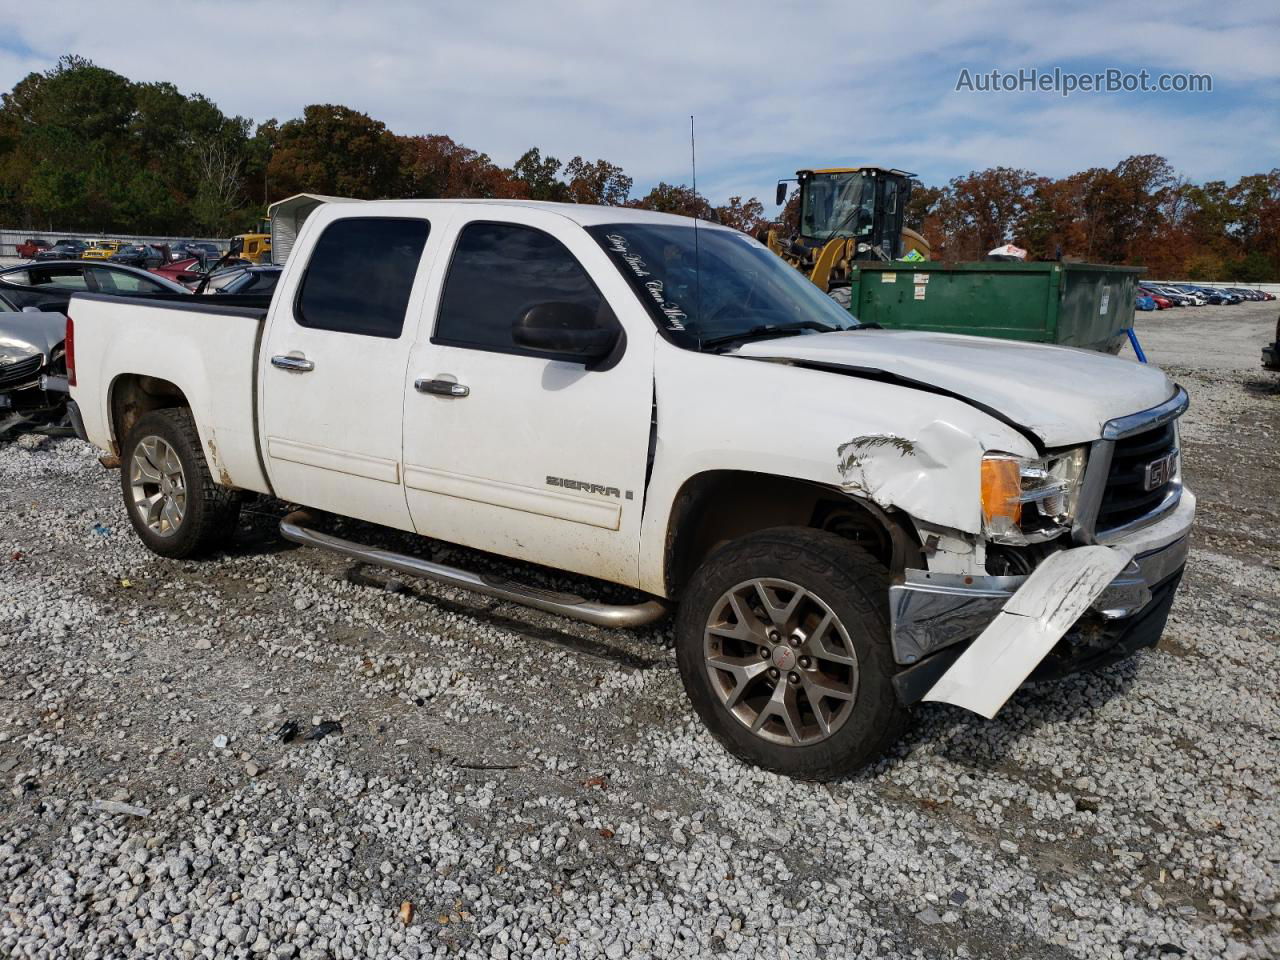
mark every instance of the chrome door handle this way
{"type": "Point", "coordinates": [296, 364]}
{"type": "Point", "coordinates": [441, 388]}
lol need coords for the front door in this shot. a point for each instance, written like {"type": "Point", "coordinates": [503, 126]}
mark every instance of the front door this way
{"type": "Point", "coordinates": [332, 371]}
{"type": "Point", "coordinates": [525, 453]}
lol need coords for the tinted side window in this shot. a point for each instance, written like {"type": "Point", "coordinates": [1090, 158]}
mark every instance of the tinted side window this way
{"type": "Point", "coordinates": [66, 278]}
{"type": "Point", "coordinates": [499, 271]}
{"type": "Point", "coordinates": [117, 281]}
{"type": "Point", "coordinates": [360, 275]}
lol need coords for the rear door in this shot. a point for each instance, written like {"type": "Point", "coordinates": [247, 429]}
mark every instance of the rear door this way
{"type": "Point", "coordinates": [529, 454]}
{"type": "Point", "coordinates": [333, 365]}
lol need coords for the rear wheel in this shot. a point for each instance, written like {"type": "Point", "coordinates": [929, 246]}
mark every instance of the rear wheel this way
{"type": "Point", "coordinates": [172, 501]}
{"type": "Point", "coordinates": [783, 647]}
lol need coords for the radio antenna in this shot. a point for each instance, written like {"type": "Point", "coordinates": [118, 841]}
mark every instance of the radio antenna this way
{"type": "Point", "coordinates": [693, 155]}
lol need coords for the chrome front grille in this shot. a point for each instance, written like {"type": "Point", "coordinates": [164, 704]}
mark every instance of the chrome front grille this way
{"type": "Point", "coordinates": [1131, 479]}
{"type": "Point", "coordinates": [1126, 498]}
{"type": "Point", "coordinates": [21, 371]}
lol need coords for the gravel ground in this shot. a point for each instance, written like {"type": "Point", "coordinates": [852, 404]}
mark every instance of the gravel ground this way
{"type": "Point", "coordinates": [507, 784]}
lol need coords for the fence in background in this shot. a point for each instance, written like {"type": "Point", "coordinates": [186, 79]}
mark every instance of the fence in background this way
{"type": "Point", "coordinates": [9, 239]}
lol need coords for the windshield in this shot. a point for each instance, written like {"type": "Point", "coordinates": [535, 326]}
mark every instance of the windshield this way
{"type": "Point", "coordinates": [706, 283]}
{"type": "Point", "coordinates": [837, 204]}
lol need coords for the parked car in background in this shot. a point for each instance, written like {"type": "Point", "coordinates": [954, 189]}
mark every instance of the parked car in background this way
{"type": "Point", "coordinates": [140, 255]}
{"type": "Point", "coordinates": [31, 246]}
{"type": "Point", "coordinates": [202, 250]}
{"type": "Point", "coordinates": [1162, 302]}
{"type": "Point", "coordinates": [186, 270]}
{"type": "Point", "coordinates": [1143, 302]}
{"type": "Point", "coordinates": [254, 279]}
{"type": "Point", "coordinates": [1212, 295]}
{"type": "Point", "coordinates": [1173, 296]}
{"type": "Point", "coordinates": [49, 286]}
{"type": "Point", "coordinates": [1194, 297]}
{"type": "Point", "coordinates": [1179, 298]}
{"type": "Point", "coordinates": [32, 363]}
{"type": "Point", "coordinates": [102, 250]}
{"type": "Point", "coordinates": [63, 250]}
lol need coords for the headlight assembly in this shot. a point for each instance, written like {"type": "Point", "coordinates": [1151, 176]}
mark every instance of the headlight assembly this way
{"type": "Point", "coordinates": [1030, 501]}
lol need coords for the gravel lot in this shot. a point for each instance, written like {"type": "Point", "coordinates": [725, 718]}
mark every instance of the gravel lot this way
{"type": "Point", "coordinates": [512, 784]}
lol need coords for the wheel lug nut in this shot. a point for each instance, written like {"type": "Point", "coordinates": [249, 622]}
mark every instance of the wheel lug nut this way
{"type": "Point", "coordinates": [805, 662]}
{"type": "Point", "coordinates": [764, 653]}
{"type": "Point", "coordinates": [796, 640]}
{"type": "Point", "coordinates": [773, 673]}
{"type": "Point", "coordinates": [793, 677]}
{"type": "Point", "coordinates": [773, 636]}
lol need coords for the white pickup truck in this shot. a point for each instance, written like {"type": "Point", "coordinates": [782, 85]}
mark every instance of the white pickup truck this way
{"type": "Point", "coordinates": [847, 520]}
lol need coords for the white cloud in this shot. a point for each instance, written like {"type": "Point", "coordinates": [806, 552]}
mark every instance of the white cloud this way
{"type": "Point", "coordinates": [774, 87]}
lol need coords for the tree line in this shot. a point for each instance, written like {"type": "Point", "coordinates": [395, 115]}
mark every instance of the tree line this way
{"type": "Point", "coordinates": [84, 148]}
{"type": "Point", "coordinates": [1141, 211]}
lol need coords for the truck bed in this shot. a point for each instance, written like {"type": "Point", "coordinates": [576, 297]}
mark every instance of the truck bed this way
{"type": "Point", "coordinates": [205, 346]}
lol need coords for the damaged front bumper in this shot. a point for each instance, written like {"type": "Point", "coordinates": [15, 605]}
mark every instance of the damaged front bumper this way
{"type": "Point", "coordinates": [1078, 606]}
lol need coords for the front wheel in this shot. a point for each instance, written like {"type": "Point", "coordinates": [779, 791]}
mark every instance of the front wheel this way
{"type": "Point", "coordinates": [783, 646]}
{"type": "Point", "coordinates": [174, 505]}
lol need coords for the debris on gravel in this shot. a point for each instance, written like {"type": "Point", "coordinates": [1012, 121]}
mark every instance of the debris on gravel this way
{"type": "Point", "coordinates": [492, 782]}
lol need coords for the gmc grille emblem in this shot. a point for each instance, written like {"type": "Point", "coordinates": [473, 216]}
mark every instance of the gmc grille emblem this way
{"type": "Point", "coordinates": [1159, 472]}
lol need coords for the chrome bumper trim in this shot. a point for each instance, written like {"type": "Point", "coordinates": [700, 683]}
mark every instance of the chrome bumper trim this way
{"type": "Point", "coordinates": [930, 611]}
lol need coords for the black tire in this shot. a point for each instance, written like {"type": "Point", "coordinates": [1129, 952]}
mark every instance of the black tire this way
{"type": "Point", "coordinates": [850, 584]}
{"type": "Point", "coordinates": [210, 511]}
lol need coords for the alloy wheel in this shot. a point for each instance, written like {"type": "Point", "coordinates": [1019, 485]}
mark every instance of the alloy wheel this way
{"type": "Point", "coordinates": [781, 661]}
{"type": "Point", "coordinates": [158, 485]}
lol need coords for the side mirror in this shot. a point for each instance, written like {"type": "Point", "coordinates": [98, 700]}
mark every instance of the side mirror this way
{"type": "Point", "coordinates": [781, 196]}
{"type": "Point", "coordinates": [237, 244]}
{"type": "Point", "coordinates": [568, 328]}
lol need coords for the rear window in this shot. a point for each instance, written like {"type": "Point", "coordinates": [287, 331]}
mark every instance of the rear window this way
{"type": "Point", "coordinates": [360, 276]}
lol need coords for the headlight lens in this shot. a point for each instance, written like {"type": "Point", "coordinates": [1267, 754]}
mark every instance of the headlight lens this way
{"type": "Point", "coordinates": [1029, 501]}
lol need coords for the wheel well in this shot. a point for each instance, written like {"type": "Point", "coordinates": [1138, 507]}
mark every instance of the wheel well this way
{"type": "Point", "coordinates": [715, 507]}
{"type": "Point", "coordinates": [134, 395]}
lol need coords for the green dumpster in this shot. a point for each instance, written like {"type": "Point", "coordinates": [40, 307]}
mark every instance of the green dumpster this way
{"type": "Point", "coordinates": [1075, 304]}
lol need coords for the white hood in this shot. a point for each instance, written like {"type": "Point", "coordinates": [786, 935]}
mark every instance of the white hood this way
{"type": "Point", "coordinates": [1061, 394]}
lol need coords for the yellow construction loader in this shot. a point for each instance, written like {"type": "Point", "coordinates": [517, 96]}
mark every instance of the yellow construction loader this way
{"type": "Point", "coordinates": [847, 214]}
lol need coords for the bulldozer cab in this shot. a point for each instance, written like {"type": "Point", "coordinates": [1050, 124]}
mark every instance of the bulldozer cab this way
{"type": "Point", "coordinates": [847, 214]}
{"type": "Point", "coordinates": [866, 204]}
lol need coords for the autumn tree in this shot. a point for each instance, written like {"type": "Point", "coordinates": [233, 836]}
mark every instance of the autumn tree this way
{"type": "Point", "coordinates": [539, 176]}
{"type": "Point", "coordinates": [439, 166]}
{"type": "Point", "coordinates": [745, 215]}
{"type": "Point", "coordinates": [596, 182]}
{"type": "Point", "coordinates": [979, 211]}
{"type": "Point", "coordinates": [681, 200]}
{"type": "Point", "coordinates": [337, 151]}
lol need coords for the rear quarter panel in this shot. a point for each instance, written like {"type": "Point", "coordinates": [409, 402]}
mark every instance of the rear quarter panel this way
{"type": "Point", "coordinates": [210, 357]}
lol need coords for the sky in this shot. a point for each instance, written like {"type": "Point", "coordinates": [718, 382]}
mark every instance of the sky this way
{"type": "Point", "coordinates": [774, 86]}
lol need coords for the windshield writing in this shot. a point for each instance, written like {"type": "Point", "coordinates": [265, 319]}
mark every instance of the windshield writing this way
{"type": "Point", "coordinates": [706, 283]}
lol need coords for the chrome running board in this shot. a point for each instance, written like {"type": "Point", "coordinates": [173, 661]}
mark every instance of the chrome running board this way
{"type": "Point", "coordinates": [293, 527]}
